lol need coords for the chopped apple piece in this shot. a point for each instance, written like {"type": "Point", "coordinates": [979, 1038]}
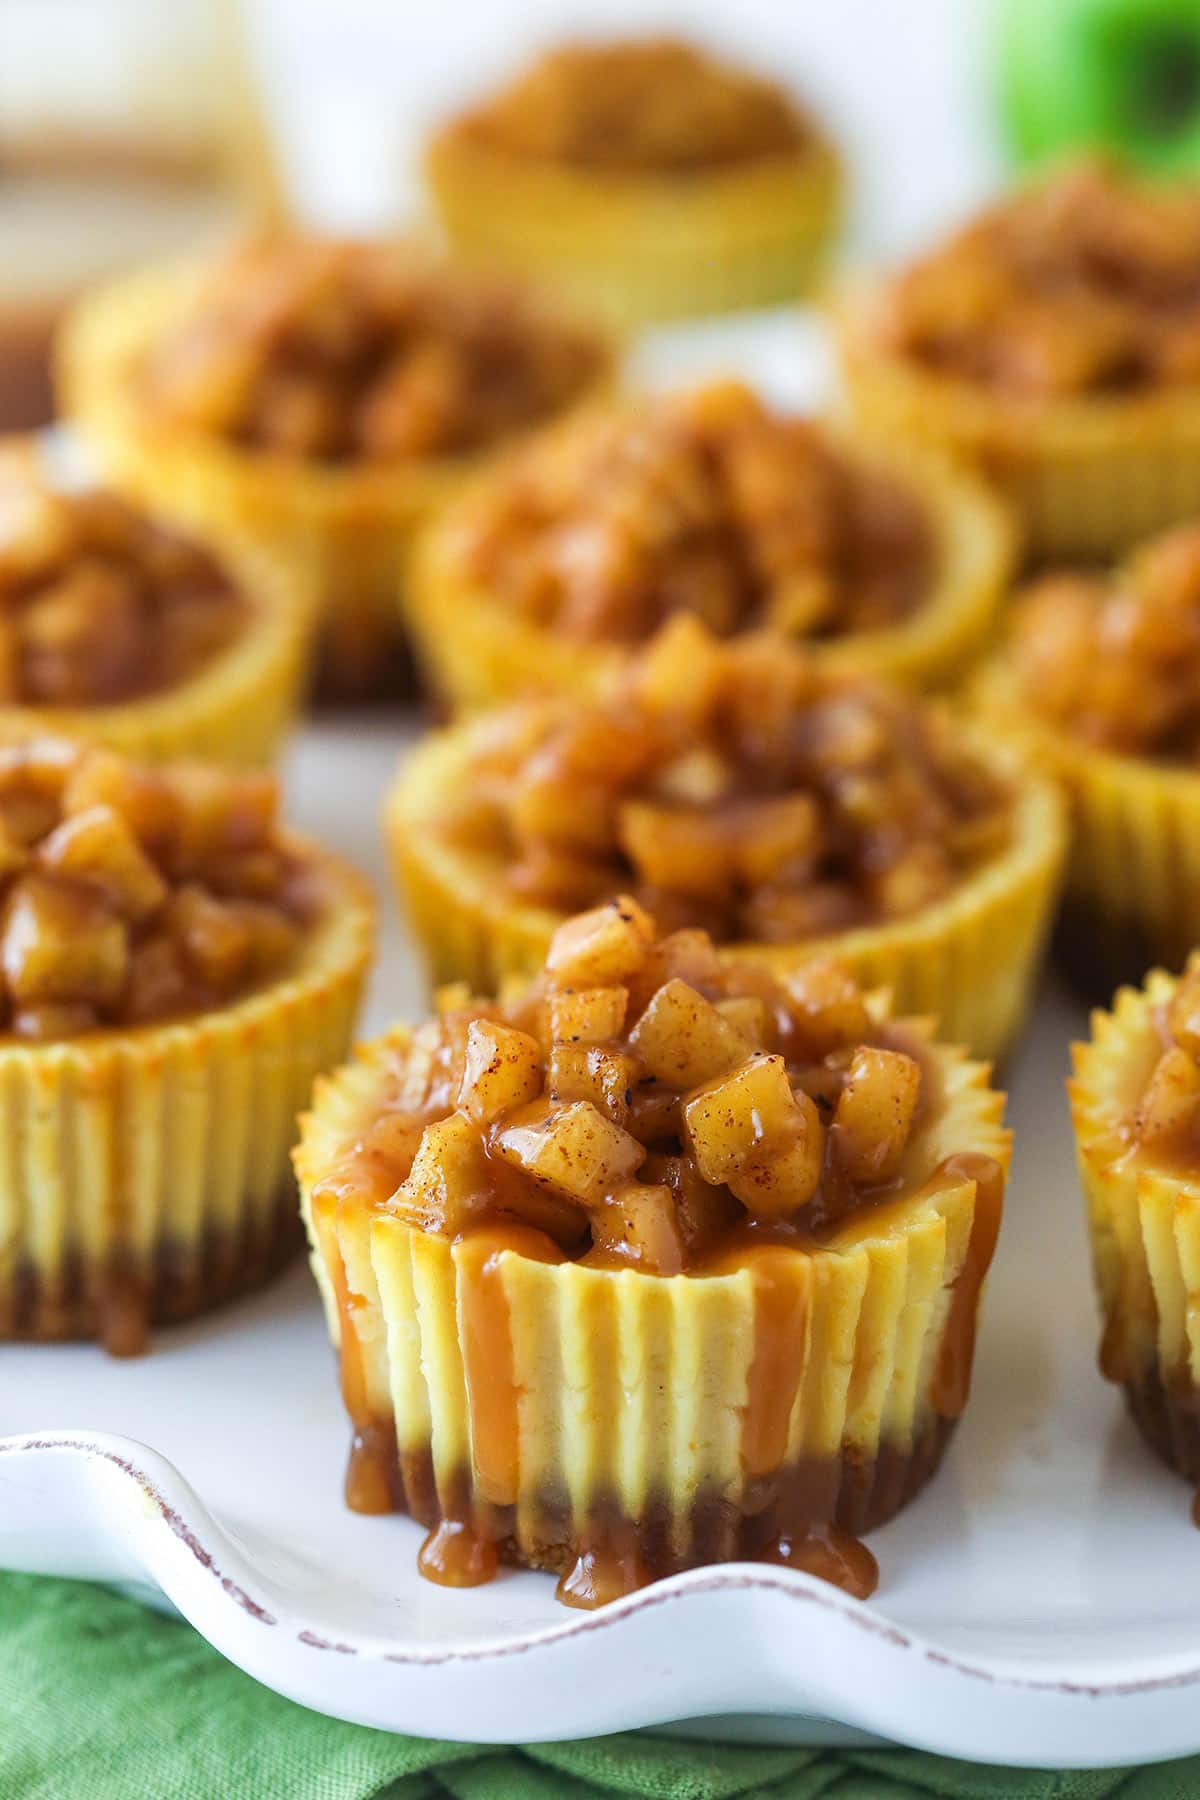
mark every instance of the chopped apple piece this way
{"type": "Point", "coordinates": [1170, 1110]}
{"type": "Point", "coordinates": [574, 1148]}
{"type": "Point", "coordinates": [432, 1068]}
{"type": "Point", "coordinates": [601, 948]}
{"type": "Point", "coordinates": [655, 1112]}
{"type": "Point", "coordinates": [682, 1039]}
{"type": "Point", "coordinates": [97, 846]}
{"type": "Point", "coordinates": [829, 1007]}
{"type": "Point", "coordinates": [587, 1015]}
{"type": "Point", "coordinates": [775, 834]}
{"type": "Point", "coordinates": [679, 848]}
{"type": "Point", "coordinates": [681, 669]}
{"type": "Point", "coordinates": [638, 1222]}
{"type": "Point", "coordinates": [449, 1184]}
{"type": "Point", "coordinates": [503, 1070]}
{"type": "Point", "coordinates": [698, 777]}
{"type": "Point", "coordinates": [60, 944]}
{"type": "Point", "coordinates": [217, 944]}
{"type": "Point", "coordinates": [785, 1175]}
{"type": "Point", "coordinates": [684, 955]}
{"type": "Point", "coordinates": [705, 1213]}
{"type": "Point", "coordinates": [875, 1112]}
{"type": "Point", "coordinates": [567, 814]}
{"type": "Point", "coordinates": [750, 1015]}
{"type": "Point", "coordinates": [143, 797]}
{"type": "Point", "coordinates": [590, 1072]}
{"type": "Point", "coordinates": [749, 1132]}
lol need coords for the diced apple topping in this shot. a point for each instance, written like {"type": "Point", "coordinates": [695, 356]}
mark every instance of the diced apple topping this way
{"type": "Point", "coordinates": [772, 800]}
{"type": "Point", "coordinates": [645, 1126]}
{"type": "Point", "coordinates": [682, 1039]}
{"type": "Point", "coordinates": [640, 1223]}
{"type": "Point", "coordinates": [129, 895]}
{"type": "Point", "coordinates": [98, 604]}
{"type": "Point", "coordinates": [601, 948]}
{"type": "Point", "coordinates": [587, 1015]}
{"type": "Point", "coordinates": [503, 1070]}
{"type": "Point", "coordinates": [875, 1111]}
{"type": "Point", "coordinates": [606, 1078]}
{"type": "Point", "coordinates": [574, 1148]}
{"type": "Point", "coordinates": [752, 1133]}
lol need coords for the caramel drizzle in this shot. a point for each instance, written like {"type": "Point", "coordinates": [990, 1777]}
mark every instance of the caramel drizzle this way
{"type": "Point", "coordinates": [782, 1282]}
{"type": "Point", "coordinates": [456, 1555]}
{"type": "Point", "coordinates": [368, 1483]}
{"type": "Point", "coordinates": [832, 1555]}
{"type": "Point", "coordinates": [609, 1566]}
{"type": "Point", "coordinates": [951, 1384]}
{"type": "Point", "coordinates": [463, 1549]}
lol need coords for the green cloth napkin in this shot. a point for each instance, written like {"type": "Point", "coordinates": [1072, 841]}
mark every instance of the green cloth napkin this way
{"type": "Point", "coordinates": [102, 1700]}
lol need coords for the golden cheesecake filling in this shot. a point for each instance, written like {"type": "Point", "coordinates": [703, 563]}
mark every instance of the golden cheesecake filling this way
{"type": "Point", "coordinates": [130, 896]}
{"type": "Point", "coordinates": [650, 106]}
{"type": "Point", "coordinates": [643, 1108]}
{"type": "Point", "coordinates": [708, 503]}
{"type": "Point", "coordinates": [1135, 1100]}
{"type": "Point", "coordinates": [1088, 283]}
{"type": "Point", "coordinates": [735, 786]}
{"type": "Point", "coordinates": [1114, 659]}
{"type": "Point", "coordinates": [98, 604]}
{"type": "Point", "coordinates": [339, 352]}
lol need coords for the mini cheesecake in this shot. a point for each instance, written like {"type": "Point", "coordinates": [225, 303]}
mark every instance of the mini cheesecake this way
{"type": "Point", "coordinates": [564, 559]}
{"type": "Point", "coordinates": [323, 396]}
{"type": "Point", "coordinates": [647, 179]}
{"type": "Point", "coordinates": [658, 1262]}
{"type": "Point", "coordinates": [1098, 680]}
{"type": "Point", "coordinates": [175, 968]}
{"type": "Point", "coordinates": [744, 788]}
{"type": "Point", "coordinates": [117, 628]}
{"type": "Point", "coordinates": [1135, 1103]}
{"type": "Point", "coordinates": [1054, 341]}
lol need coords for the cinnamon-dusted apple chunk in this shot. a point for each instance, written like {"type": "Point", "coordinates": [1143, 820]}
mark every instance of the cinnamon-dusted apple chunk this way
{"type": "Point", "coordinates": [175, 968]}
{"type": "Point", "coordinates": [743, 789]}
{"type": "Point", "coordinates": [658, 1261]}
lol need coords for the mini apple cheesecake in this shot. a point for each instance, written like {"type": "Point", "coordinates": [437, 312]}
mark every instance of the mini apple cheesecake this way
{"type": "Point", "coordinates": [647, 179]}
{"type": "Point", "coordinates": [1100, 681]}
{"type": "Point", "coordinates": [325, 396]}
{"type": "Point", "coordinates": [175, 968]}
{"type": "Point", "coordinates": [564, 559]}
{"type": "Point", "coordinates": [116, 628]}
{"type": "Point", "coordinates": [1055, 340]}
{"type": "Point", "coordinates": [745, 789]}
{"type": "Point", "coordinates": [661, 1261]}
{"type": "Point", "coordinates": [1135, 1101]}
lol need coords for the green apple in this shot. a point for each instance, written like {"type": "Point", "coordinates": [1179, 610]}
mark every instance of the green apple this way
{"type": "Point", "coordinates": [1123, 75]}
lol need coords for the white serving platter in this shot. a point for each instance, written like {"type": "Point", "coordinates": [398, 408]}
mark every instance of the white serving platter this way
{"type": "Point", "coordinates": [1039, 1603]}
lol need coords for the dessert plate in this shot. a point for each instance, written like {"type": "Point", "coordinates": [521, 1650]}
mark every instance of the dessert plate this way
{"type": "Point", "coordinates": [1040, 1603]}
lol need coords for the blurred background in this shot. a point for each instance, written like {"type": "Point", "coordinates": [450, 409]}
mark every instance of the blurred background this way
{"type": "Point", "coordinates": [130, 127]}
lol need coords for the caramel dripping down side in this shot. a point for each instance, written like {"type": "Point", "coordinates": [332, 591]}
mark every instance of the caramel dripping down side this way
{"type": "Point", "coordinates": [817, 1546]}
{"type": "Point", "coordinates": [462, 1550]}
{"type": "Point", "coordinates": [951, 1383]}
{"type": "Point", "coordinates": [370, 1482]}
